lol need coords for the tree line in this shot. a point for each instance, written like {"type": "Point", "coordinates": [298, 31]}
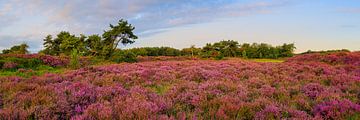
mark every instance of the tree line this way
{"type": "Point", "coordinates": [225, 48]}
{"type": "Point", "coordinates": [106, 46]}
{"type": "Point", "coordinates": [325, 51]}
{"type": "Point", "coordinates": [93, 45]}
{"type": "Point", "coordinates": [17, 49]}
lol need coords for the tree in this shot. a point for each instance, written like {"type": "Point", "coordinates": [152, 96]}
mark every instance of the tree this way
{"type": "Point", "coordinates": [23, 49]}
{"type": "Point", "coordinates": [208, 47]}
{"type": "Point", "coordinates": [93, 44]}
{"type": "Point", "coordinates": [263, 50]}
{"type": "Point", "coordinates": [207, 51]}
{"type": "Point", "coordinates": [70, 42]}
{"type": "Point", "coordinates": [64, 43]}
{"type": "Point", "coordinates": [17, 49]}
{"type": "Point", "coordinates": [192, 51]}
{"type": "Point", "coordinates": [192, 48]}
{"type": "Point", "coordinates": [287, 50]}
{"type": "Point", "coordinates": [49, 45]}
{"type": "Point", "coordinates": [56, 46]}
{"type": "Point", "coordinates": [243, 54]}
{"type": "Point", "coordinates": [228, 47]}
{"type": "Point", "coordinates": [120, 33]}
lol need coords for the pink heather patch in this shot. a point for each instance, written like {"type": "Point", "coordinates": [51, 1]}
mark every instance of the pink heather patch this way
{"type": "Point", "coordinates": [311, 86]}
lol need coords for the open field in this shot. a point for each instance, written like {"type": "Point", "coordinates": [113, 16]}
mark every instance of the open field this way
{"type": "Point", "coordinates": [179, 60]}
{"type": "Point", "coordinates": [303, 87]}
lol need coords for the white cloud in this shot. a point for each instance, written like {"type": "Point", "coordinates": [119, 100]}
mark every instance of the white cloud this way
{"type": "Point", "coordinates": [34, 19]}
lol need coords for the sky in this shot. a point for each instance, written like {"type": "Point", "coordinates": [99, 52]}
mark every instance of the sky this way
{"type": "Point", "coordinates": [310, 24]}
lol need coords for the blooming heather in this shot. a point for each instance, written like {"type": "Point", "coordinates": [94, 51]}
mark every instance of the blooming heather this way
{"type": "Point", "coordinates": [54, 61]}
{"type": "Point", "coordinates": [328, 88]}
{"type": "Point", "coordinates": [9, 65]}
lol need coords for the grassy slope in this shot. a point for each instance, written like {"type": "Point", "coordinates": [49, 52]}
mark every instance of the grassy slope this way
{"type": "Point", "coordinates": [46, 69]}
{"type": "Point", "coordinates": [31, 72]}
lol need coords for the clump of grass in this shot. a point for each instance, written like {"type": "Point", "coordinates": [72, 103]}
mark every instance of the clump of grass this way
{"type": "Point", "coordinates": [38, 71]}
{"type": "Point", "coordinates": [160, 89]}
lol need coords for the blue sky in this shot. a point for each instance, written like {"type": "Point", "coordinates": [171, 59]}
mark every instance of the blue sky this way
{"type": "Point", "coordinates": [310, 24]}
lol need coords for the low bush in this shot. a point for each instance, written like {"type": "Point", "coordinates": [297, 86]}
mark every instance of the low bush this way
{"type": "Point", "coordinates": [74, 60]}
{"type": "Point", "coordinates": [124, 56]}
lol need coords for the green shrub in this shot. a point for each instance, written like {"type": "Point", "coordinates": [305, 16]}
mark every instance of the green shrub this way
{"type": "Point", "coordinates": [40, 70]}
{"type": "Point", "coordinates": [206, 54]}
{"type": "Point", "coordinates": [31, 63]}
{"type": "Point", "coordinates": [45, 68]}
{"type": "Point", "coordinates": [124, 56]}
{"type": "Point", "coordinates": [2, 62]}
{"type": "Point", "coordinates": [21, 62]}
{"type": "Point", "coordinates": [219, 57]}
{"type": "Point", "coordinates": [97, 60]}
{"type": "Point", "coordinates": [74, 59]}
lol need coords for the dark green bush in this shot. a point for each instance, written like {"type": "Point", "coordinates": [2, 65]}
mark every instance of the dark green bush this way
{"type": "Point", "coordinates": [26, 63]}
{"type": "Point", "coordinates": [74, 59]}
{"type": "Point", "coordinates": [206, 54]}
{"type": "Point", "coordinates": [219, 57]}
{"type": "Point", "coordinates": [124, 56]}
{"type": "Point", "coordinates": [31, 63]}
{"type": "Point", "coordinates": [2, 62]}
{"type": "Point", "coordinates": [22, 62]}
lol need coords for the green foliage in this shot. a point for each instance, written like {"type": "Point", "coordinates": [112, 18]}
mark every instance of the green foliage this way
{"type": "Point", "coordinates": [74, 59]}
{"type": "Point", "coordinates": [38, 71]}
{"type": "Point", "coordinates": [326, 51]}
{"type": "Point", "coordinates": [94, 45]}
{"type": "Point", "coordinates": [356, 116]}
{"type": "Point", "coordinates": [227, 48]}
{"type": "Point", "coordinates": [231, 48]}
{"type": "Point", "coordinates": [286, 50]}
{"type": "Point", "coordinates": [105, 46]}
{"type": "Point", "coordinates": [124, 56]}
{"type": "Point", "coordinates": [21, 62]}
{"type": "Point", "coordinates": [219, 57]}
{"type": "Point", "coordinates": [263, 50]}
{"type": "Point", "coordinates": [2, 62]}
{"type": "Point", "coordinates": [155, 51]}
{"type": "Point", "coordinates": [192, 51]}
{"type": "Point", "coordinates": [64, 43]}
{"type": "Point", "coordinates": [206, 54]}
{"type": "Point", "coordinates": [120, 33]}
{"type": "Point", "coordinates": [160, 89]}
{"type": "Point", "coordinates": [17, 49]}
{"type": "Point", "coordinates": [52, 46]}
{"type": "Point", "coordinates": [243, 54]}
{"type": "Point", "coordinates": [24, 67]}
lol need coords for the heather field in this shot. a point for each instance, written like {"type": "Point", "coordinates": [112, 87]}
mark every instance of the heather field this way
{"type": "Point", "coordinates": [311, 86]}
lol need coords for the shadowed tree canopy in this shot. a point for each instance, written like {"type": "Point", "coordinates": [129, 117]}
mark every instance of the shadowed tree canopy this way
{"type": "Point", "coordinates": [17, 49]}
{"type": "Point", "coordinates": [64, 43]}
{"type": "Point", "coordinates": [120, 33]}
{"type": "Point", "coordinates": [95, 45]}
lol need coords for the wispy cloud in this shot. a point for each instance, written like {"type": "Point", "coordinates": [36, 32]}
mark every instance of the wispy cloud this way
{"type": "Point", "coordinates": [5, 18]}
{"type": "Point", "coordinates": [93, 16]}
{"type": "Point", "coordinates": [8, 41]}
